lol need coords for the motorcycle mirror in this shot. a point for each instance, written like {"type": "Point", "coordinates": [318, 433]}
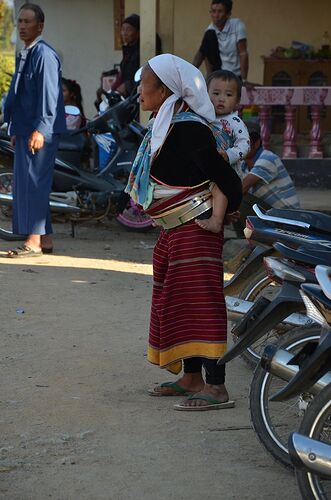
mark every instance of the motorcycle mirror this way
{"type": "Point", "coordinates": [103, 106]}
{"type": "Point", "coordinates": [104, 98]}
{"type": "Point", "coordinates": [72, 110]}
{"type": "Point", "coordinates": [137, 76]}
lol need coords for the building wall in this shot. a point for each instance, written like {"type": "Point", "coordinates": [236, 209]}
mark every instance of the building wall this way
{"type": "Point", "coordinates": [81, 31]}
{"type": "Point", "coordinates": [131, 7]}
{"type": "Point", "coordinates": [269, 24]}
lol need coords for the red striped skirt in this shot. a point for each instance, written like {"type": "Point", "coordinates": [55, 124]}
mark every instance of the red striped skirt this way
{"type": "Point", "coordinates": [188, 314]}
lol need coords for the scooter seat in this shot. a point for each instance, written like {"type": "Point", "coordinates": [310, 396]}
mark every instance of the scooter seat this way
{"type": "Point", "coordinates": [72, 143]}
{"type": "Point", "coordinates": [317, 220]}
{"type": "Point", "coordinates": [304, 255]}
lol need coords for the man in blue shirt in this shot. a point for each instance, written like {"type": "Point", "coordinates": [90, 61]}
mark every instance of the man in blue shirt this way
{"type": "Point", "coordinates": [34, 110]}
{"type": "Point", "coordinates": [266, 176]}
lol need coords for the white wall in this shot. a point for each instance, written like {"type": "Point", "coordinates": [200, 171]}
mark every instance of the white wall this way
{"type": "Point", "coordinates": [81, 31]}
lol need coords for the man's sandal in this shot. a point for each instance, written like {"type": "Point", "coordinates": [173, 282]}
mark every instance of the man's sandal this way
{"type": "Point", "coordinates": [23, 251]}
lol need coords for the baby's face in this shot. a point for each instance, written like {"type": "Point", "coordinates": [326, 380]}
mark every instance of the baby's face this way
{"type": "Point", "coordinates": [223, 95]}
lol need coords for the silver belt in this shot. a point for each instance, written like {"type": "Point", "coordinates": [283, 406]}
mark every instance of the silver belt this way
{"type": "Point", "coordinates": [178, 216]}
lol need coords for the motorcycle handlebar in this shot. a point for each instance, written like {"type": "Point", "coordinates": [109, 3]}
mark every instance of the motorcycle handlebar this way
{"type": "Point", "coordinates": [119, 114]}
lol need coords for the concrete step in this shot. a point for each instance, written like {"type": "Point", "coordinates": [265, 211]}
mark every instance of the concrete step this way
{"type": "Point", "coordinates": [315, 199]}
{"type": "Point", "coordinates": [310, 173]}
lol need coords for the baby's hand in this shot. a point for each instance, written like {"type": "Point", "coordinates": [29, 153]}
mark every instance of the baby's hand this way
{"type": "Point", "coordinates": [224, 155]}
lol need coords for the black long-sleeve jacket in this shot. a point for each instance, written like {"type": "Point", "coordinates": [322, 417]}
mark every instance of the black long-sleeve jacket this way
{"type": "Point", "coordinates": [129, 65]}
{"type": "Point", "coordinates": [189, 157]}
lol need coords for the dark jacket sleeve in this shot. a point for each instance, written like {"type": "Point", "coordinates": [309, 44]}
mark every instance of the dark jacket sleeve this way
{"type": "Point", "coordinates": [209, 49]}
{"type": "Point", "coordinates": [129, 66]}
{"type": "Point", "coordinates": [203, 153]}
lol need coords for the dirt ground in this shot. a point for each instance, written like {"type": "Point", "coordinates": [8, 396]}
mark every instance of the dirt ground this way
{"type": "Point", "coordinates": [76, 421]}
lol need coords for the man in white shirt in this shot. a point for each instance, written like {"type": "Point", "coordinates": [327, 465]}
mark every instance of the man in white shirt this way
{"type": "Point", "coordinates": [224, 44]}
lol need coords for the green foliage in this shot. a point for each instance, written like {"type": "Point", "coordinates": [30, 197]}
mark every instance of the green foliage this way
{"type": "Point", "coordinates": [6, 25]}
{"type": "Point", "coordinates": [7, 67]}
{"type": "Point", "coordinates": [323, 53]}
{"type": "Point", "coordinates": [7, 55]}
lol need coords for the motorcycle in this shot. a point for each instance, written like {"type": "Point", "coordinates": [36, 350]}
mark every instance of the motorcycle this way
{"type": "Point", "coordinates": [273, 422]}
{"type": "Point", "coordinates": [310, 447]}
{"type": "Point", "coordinates": [284, 310]}
{"type": "Point", "coordinates": [81, 194]}
{"type": "Point", "coordinates": [308, 230]}
{"type": "Point", "coordinates": [277, 408]}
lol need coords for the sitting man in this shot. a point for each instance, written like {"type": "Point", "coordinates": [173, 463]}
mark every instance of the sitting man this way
{"type": "Point", "coordinates": [265, 174]}
{"type": "Point", "coordinates": [266, 182]}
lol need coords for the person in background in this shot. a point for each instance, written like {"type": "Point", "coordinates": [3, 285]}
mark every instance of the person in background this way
{"type": "Point", "coordinates": [266, 182]}
{"type": "Point", "coordinates": [72, 95]}
{"type": "Point", "coordinates": [265, 175]}
{"type": "Point", "coordinates": [130, 32]}
{"type": "Point", "coordinates": [224, 44]}
{"type": "Point", "coordinates": [130, 63]}
{"type": "Point", "coordinates": [35, 112]}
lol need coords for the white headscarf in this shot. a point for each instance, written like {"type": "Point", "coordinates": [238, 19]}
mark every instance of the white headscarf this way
{"type": "Point", "coordinates": [187, 83]}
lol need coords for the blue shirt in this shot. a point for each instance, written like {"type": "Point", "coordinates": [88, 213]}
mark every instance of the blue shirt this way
{"type": "Point", "coordinates": [275, 186]}
{"type": "Point", "coordinates": [37, 101]}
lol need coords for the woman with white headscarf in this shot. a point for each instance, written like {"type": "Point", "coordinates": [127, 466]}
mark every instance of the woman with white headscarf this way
{"type": "Point", "coordinates": [172, 177]}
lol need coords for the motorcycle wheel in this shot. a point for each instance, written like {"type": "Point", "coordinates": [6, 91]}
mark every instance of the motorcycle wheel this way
{"type": "Point", "coordinates": [261, 285]}
{"type": "Point", "coordinates": [134, 219]}
{"type": "Point", "coordinates": [6, 187]}
{"type": "Point", "coordinates": [274, 421]}
{"type": "Point", "coordinates": [316, 424]}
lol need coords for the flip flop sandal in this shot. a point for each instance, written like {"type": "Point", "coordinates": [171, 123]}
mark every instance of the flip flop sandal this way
{"type": "Point", "coordinates": [178, 390]}
{"type": "Point", "coordinates": [23, 251]}
{"type": "Point", "coordinates": [214, 404]}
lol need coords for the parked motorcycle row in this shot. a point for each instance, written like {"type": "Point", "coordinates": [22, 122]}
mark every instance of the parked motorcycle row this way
{"type": "Point", "coordinates": [279, 302]}
{"type": "Point", "coordinates": [80, 193]}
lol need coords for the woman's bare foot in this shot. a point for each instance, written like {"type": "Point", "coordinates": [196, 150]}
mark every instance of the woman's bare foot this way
{"type": "Point", "coordinates": [216, 392]}
{"type": "Point", "coordinates": [213, 224]}
{"type": "Point", "coordinates": [191, 382]}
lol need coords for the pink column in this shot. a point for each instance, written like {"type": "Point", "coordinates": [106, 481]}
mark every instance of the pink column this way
{"type": "Point", "coordinates": [315, 148]}
{"type": "Point", "coordinates": [289, 137]}
{"type": "Point", "coordinates": [264, 116]}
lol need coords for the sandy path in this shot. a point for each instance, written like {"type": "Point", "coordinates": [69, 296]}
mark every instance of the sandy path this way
{"type": "Point", "coordinates": [76, 422]}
